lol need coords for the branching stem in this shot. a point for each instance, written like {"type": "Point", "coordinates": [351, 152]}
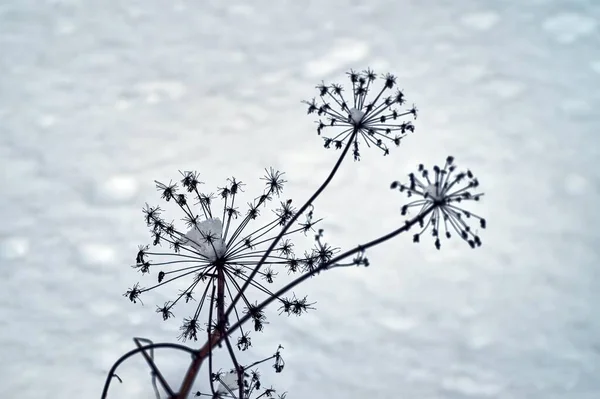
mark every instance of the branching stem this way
{"type": "Point", "coordinates": [216, 339]}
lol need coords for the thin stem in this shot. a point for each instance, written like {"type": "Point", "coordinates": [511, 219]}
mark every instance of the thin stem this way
{"type": "Point", "coordinates": [332, 262]}
{"type": "Point", "coordinates": [292, 220]}
{"type": "Point", "coordinates": [142, 349]}
{"type": "Point", "coordinates": [208, 330]}
{"type": "Point", "coordinates": [155, 371]}
{"type": "Point", "coordinates": [220, 297]}
{"type": "Point", "coordinates": [236, 366]}
{"type": "Point", "coordinates": [195, 366]}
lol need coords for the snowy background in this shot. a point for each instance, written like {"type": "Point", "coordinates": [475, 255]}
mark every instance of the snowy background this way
{"type": "Point", "coordinates": [100, 97]}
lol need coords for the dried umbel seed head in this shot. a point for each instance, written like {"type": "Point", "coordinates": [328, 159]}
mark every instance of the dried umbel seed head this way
{"type": "Point", "coordinates": [442, 194]}
{"type": "Point", "coordinates": [376, 116]}
{"type": "Point", "coordinates": [221, 246]}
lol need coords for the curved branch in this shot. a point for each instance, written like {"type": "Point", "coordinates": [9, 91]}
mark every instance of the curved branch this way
{"type": "Point", "coordinates": [139, 349]}
{"type": "Point", "coordinates": [291, 222]}
{"type": "Point", "coordinates": [332, 262]}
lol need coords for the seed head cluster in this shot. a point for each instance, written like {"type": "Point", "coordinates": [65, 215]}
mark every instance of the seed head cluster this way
{"type": "Point", "coordinates": [220, 245]}
{"type": "Point", "coordinates": [442, 196]}
{"type": "Point", "coordinates": [376, 117]}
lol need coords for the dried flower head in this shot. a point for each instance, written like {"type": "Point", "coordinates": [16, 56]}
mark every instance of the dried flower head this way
{"type": "Point", "coordinates": [377, 118]}
{"type": "Point", "coordinates": [219, 249]}
{"type": "Point", "coordinates": [442, 195]}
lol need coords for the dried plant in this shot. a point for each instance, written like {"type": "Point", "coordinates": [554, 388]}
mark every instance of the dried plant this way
{"type": "Point", "coordinates": [228, 263]}
{"type": "Point", "coordinates": [377, 122]}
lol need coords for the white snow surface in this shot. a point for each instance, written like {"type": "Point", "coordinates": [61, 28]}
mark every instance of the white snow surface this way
{"type": "Point", "coordinates": [356, 115]}
{"type": "Point", "coordinates": [99, 98]}
{"type": "Point", "coordinates": [229, 382]}
{"type": "Point", "coordinates": [207, 238]}
{"type": "Point", "coordinates": [432, 191]}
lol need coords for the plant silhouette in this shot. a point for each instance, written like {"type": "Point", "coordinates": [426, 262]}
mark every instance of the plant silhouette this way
{"type": "Point", "coordinates": [225, 265]}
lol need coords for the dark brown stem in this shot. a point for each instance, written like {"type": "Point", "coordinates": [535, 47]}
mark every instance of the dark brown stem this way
{"type": "Point", "coordinates": [206, 350]}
